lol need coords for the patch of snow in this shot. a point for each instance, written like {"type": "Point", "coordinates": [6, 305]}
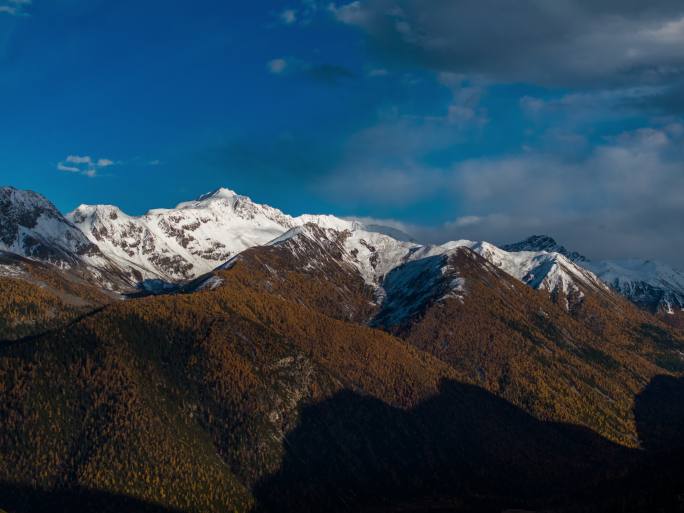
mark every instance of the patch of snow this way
{"type": "Point", "coordinates": [212, 283]}
{"type": "Point", "coordinates": [11, 271]}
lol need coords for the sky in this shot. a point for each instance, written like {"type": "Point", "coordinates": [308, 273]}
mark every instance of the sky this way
{"type": "Point", "coordinates": [450, 119]}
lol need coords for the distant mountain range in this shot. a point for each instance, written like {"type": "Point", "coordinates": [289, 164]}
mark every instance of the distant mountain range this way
{"type": "Point", "coordinates": [169, 246]}
{"type": "Point", "coordinates": [651, 285]}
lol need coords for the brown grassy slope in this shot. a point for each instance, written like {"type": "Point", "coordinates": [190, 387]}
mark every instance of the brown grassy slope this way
{"type": "Point", "coordinates": [583, 367]}
{"type": "Point", "coordinates": [676, 319]}
{"type": "Point", "coordinates": [214, 400]}
{"type": "Point", "coordinates": [37, 297]}
{"type": "Point", "coordinates": [184, 400]}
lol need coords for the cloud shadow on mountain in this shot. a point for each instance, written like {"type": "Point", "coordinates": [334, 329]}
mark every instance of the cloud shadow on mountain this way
{"type": "Point", "coordinates": [16, 498]}
{"type": "Point", "coordinates": [353, 452]}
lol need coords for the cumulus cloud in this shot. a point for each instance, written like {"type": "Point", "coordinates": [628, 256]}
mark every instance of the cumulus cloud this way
{"type": "Point", "coordinates": [622, 199]}
{"type": "Point", "coordinates": [84, 165]}
{"type": "Point", "coordinates": [585, 68]}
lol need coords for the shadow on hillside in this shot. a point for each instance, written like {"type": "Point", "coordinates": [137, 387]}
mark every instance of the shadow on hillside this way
{"type": "Point", "coordinates": [24, 499]}
{"type": "Point", "coordinates": [462, 450]}
{"type": "Point", "coordinates": [151, 287]}
{"type": "Point", "coordinates": [656, 484]}
{"type": "Point", "coordinates": [36, 336]}
{"type": "Point", "coordinates": [659, 413]}
{"type": "Point", "coordinates": [353, 453]}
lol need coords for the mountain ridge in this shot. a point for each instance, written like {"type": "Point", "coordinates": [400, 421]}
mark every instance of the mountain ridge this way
{"type": "Point", "coordinates": [166, 246]}
{"type": "Point", "coordinates": [650, 285]}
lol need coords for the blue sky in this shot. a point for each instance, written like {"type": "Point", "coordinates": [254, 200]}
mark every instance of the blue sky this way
{"type": "Point", "coordinates": [448, 119]}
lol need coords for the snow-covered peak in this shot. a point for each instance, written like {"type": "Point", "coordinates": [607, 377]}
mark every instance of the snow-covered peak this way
{"type": "Point", "coordinates": [90, 212]}
{"type": "Point", "coordinates": [221, 192]}
{"type": "Point", "coordinates": [376, 255]}
{"type": "Point", "coordinates": [542, 270]}
{"type": "Point", "coordinates": [222, 196]}
{"type": "Point", "coordinates": [183, 242]}
{"type": "Point", "coordinates": [649, 284]}
{"type": "Point", "coordinates": [328, 222]}
{"type": "Point", "coordinates": [23, 200]}
{"type": "Point", "coordinates": [543, 243]}
{"type": "Point", "coordinates": [32, 227]}
{"type": "Point", "coordinates": [650, 271]}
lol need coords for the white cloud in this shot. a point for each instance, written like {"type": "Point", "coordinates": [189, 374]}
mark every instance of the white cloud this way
{"type": "Point", "coordinates": [277, 66]}
{"type": "Point", "coordinates": [288, 16]}
{"type": "Point", "coordinates": [352, 13]}
{"type": "Point", "coordinates": [465, 110]}
{"type": "Point", "coordinates": [69, 169]}
{"type": "Point", "coordinates": [14, 7]}
{"type": "Point", "coordinates": [75, 159]}
{"type": "Point", "coordinates": [623, 198]}
{"type": "Point", "coordinates": [84, 165]}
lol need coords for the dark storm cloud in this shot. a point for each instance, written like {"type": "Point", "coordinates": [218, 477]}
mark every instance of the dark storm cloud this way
{"type": "Point", "coordinates": [601, 63]}
{"type": "Point", "coordinates": [595, 43]}
{"type": "Point", "coordinates": [670, 102]}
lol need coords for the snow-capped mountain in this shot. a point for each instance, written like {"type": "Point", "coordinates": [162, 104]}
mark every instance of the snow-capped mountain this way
{"type": "Point", "coordinates": [198, 236]}
{"type": "Point", "coordinates": [183, 242]}
{"type": "Point", "coordinates": [548, 271]}
{"type": "Point", "coordinates": [32, 227]}
{"type": "Point", "coordinates": [543, 243]}
{"type": "Point", "coordinates": [195, 237]}
{"type": "Point", "coordinates": [650, 285]}
{"type": "Point", "coordinates": [376, 255]}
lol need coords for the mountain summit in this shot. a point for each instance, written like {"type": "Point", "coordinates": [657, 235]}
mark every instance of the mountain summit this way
{"type": "Point", "coordinates": [651, 285]}
{"type": "Point", "coordinates": [543, 243]}
{"type": "Point", "coordinates": [31, 226]}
